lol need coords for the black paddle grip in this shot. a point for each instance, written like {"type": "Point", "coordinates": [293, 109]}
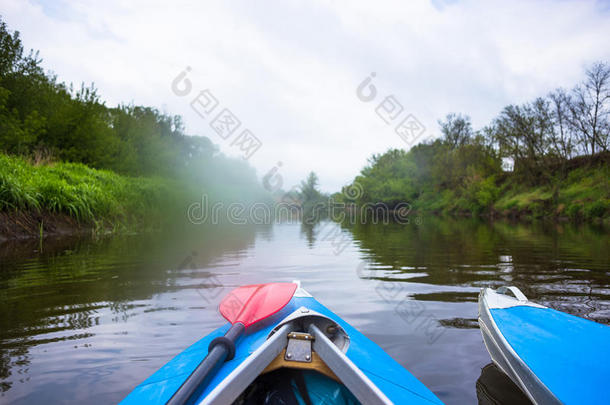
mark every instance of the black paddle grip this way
{"type": "Point", "coordinates": [218, 353]}
{"type": "Point", "coordinates": [228, 340]}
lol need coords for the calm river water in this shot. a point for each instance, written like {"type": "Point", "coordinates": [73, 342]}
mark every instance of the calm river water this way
{"type": "Point", "coordinates": [85, 321]}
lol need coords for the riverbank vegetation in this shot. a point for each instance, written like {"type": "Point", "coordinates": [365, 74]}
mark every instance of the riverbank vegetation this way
{"type": "Point", "coordinates": [548, 157]}
{"type": "Point", "coordinates": [64, 152]}
{"type": "Point", "coordinates": [42, 117]}
{"type": "Point", "coordinates": [85, 194]}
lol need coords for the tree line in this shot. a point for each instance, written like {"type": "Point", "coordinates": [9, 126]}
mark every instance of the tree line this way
{"type": "Point", "coordinates": [464, 167]}
{"type": "Point", "coordinates": [41, 116]}
{"type": "Point", "coordinates": [46, 120]}
{"type": "Point", "coordinates": [562, 125]}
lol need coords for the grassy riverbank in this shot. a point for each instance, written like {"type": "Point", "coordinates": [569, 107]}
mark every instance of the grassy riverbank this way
{"type": "Point", "coordinates": [451, 184]}
{"type": "Point", "coordinates": [132, 167]}
{"type": "Point", "coordinates": [584, 194]}
{"type": "Point", "coordinates": [96, 199]}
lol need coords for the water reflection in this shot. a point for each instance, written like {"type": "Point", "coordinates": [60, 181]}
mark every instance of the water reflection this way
{"type": "Point", "coordinates": [564, 266]}
{"type": "Point", "coordinates": [308, 230]}
{"type": "Point", "coordinates": [70, 289]}
{"type": "Point", "coordinates": [86, 320]}
{"type": "Point", "coordinates": [495, 388]}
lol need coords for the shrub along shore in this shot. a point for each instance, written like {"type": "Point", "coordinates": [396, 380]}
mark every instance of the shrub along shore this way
{"type": "Point", "coordinates": [583, 195]}
{"type": "Point", "coordinates": [581, 192]}
{"type": "Point", "coordinates": [59, 198]}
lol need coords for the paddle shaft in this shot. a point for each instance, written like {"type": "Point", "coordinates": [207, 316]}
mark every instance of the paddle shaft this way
{"type": "Point", "coordinates": [215, 358]}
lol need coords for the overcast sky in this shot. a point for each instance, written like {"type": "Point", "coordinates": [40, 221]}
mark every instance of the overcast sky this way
{"type": "Point", "coordinates": [289, 70]}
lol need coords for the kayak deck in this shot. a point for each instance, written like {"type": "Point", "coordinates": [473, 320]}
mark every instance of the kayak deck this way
{"type": "Point", "coordinates": [570, 355]}
{"type": "Point", "coordinates": [554, 357]}
{"type": "Point", "coordinates": [385, 373]}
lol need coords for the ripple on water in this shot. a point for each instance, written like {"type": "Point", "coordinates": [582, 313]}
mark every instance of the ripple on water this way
{"type": "Point", "coordinates": [87, 320]}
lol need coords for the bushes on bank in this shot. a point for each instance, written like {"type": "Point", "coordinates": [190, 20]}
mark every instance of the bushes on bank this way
{"type": "Point", "coordinates": [79, 191]}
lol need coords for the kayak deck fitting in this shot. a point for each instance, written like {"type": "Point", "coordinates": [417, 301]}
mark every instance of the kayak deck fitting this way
{"type": "Point", "coordinates": [311, 350]}
{"type": "Point", "coordinates": [552, 356]}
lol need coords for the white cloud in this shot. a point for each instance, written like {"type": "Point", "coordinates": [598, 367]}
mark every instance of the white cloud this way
{"type": "Point", "coordinates": [290, 70]}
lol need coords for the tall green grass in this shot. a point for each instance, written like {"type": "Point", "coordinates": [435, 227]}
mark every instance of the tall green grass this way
{"type": "Point", "coordinates": [89, 195]}
{"type": "Point", "coordinates": [584, 194]}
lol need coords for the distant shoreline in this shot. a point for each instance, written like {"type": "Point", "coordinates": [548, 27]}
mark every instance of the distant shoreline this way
{"type": "Point", "coordinates": [26, 226]}
{"type": "Point", "coordinates": [580, 192]}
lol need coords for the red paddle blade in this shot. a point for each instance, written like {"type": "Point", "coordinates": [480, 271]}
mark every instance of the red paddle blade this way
{"type": "Point", "coordinates": [252, 303]}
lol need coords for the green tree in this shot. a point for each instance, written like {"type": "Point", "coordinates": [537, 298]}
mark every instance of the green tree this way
{"type": "Point", "coordinates": [456, 130]}
{"type": "Point", "coordinates": [314, 205]}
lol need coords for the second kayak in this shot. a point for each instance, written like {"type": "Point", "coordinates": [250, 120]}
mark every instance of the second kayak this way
{"type": "Point", "coordinates": [552, 356]}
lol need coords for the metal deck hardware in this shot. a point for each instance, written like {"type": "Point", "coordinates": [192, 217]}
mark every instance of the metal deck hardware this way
{"type": "Point", "coordinates": [299, 347]}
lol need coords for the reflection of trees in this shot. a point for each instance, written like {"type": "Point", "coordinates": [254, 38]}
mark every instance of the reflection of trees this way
{"type": "Point", "coordinates": [311, 230]}
{"type": "Point", "coordinates": [64, 288]}
{"type": "Point", "coordinates": [308, 230]}
{"type": "Point", "coordinates": [324, 230]}
{"type": "Point", "coordinates": [560, 265]}
{"type": "Point", "coordinates": [5, 370]}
